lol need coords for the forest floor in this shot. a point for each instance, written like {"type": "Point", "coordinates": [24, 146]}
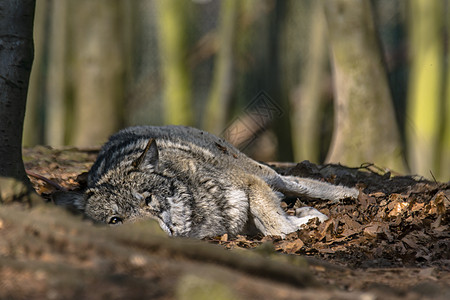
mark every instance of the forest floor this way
{"type": "Point", "coordinates": [393, 242]}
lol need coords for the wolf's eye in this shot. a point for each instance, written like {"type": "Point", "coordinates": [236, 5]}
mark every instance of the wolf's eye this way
{"type": "Point", "coordinates": [115, 221]}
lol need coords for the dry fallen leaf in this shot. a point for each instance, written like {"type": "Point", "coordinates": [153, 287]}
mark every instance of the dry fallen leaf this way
{"type": "Point", "coordinates": [398, 208]}
{"type": "Point", "coordinates": [372, 230]}
{"type": "Point", "coordinates": [290, 247]}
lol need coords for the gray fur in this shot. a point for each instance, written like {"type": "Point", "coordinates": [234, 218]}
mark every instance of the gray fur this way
{"type": "Point", "coordinates": [194, 184]}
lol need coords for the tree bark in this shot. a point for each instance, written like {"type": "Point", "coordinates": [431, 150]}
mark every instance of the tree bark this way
{"type": "Point", "coordinates": [99, 70]}
{"type": "Point", "coordinates": [425, 86]}
{"type": "Point", "coordinates": [222, 84]}
{"type": "Point", "coordinates": [173, 40]}
{"type": "Point", "coordinates": [33, 131]}
{"type": "Point", "coordinates": [365, 125]}
{"type": "Point", "coordinates": [16, 58]}
{"type": "Point", "coordinates": [56, 125]}
{"type": "Point", "coordinates": [444, 174]}
{"type": "Point", "coordinates": [308, 102]}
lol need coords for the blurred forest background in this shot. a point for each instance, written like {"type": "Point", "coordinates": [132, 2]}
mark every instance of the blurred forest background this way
{"type": "Point", "coordinates": [349, 81]}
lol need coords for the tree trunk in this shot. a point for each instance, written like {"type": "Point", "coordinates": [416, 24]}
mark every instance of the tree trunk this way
{"type": "Point", "coordinates": [222, 84]}
{"type": "Point", "coordinates": [56, 124]}
{"type": "Point", "coordinates": [173, 39]}
{"type": "Point", "coordinates": [444, 174]}
{"type": "Point", "coordinates": [308, 102]}
{"type": "Point", "coordinates": [33, 132]}
{"type": "Point", "coordinates": [365, 125]}
{"type": "Point", "coordinates": [98, 69]}
{"type": "Point", "coordinates": [16, 58]}
{"type": "Point", "coordinates": [425, 86]}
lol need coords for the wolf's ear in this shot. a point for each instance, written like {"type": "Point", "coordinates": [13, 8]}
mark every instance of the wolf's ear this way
{"type": "Point", "coordinates": [148, 158]}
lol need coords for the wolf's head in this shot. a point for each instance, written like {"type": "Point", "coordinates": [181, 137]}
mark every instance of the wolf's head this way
{"type": "Point", "coordinates": [132, 189]}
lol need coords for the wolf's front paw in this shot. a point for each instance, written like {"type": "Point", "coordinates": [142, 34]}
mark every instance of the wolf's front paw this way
{"type": "Point", "coordinates": [310, 213]}
{"type": "Point", "coordinates": [304, 214]}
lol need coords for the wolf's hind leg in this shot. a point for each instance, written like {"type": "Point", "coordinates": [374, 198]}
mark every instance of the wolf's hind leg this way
{"type": "Point", "coordinates": [267, 214]}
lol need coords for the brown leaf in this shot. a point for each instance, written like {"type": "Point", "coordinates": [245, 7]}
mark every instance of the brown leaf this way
{"type": "Point", "coordinates": [290, 247]}
{"type": "Point", "coordinates": [224, 237]}
{"type": "Point", "coordinates": [398, 208]}
{"type": "Point", "coordinates": [417, 207]}
{"type": "Point", "coordinates": [373, 229]}
{"type": "Point", "coordinates": [349, 223]}
{"type": "Point", "coordinates": [410, 242]}
{"type": "Point", "coordinates": [378, 195]}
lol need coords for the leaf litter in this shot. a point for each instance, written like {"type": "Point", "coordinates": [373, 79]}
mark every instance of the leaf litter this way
{"type": "Point", "coordinates": [396, 235]}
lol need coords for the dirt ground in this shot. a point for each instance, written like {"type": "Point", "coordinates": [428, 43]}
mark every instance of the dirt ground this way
{"type": "Point", "coordinates": [393, 242]}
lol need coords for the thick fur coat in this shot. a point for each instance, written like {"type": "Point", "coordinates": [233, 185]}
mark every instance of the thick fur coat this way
{"type": "Point", "coordinates": [195, 185]}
